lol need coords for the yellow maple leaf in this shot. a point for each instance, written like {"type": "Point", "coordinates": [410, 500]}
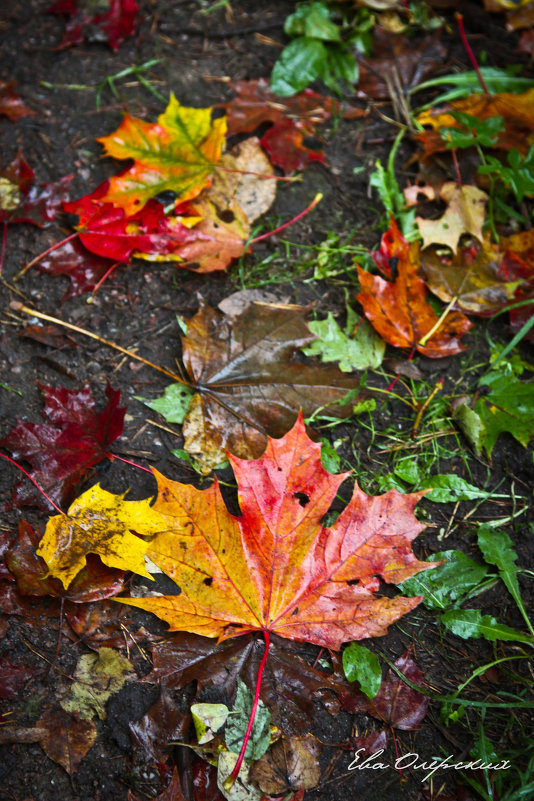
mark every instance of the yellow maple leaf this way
{"type": "Point", "coordinates": [177, 153]}
{"type": "Point", "coordinates": [465, 214]}
{"type": "Point", "coordinates": [102, 523]}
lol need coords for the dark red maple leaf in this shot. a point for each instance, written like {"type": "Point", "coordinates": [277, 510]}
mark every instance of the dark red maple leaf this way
{"type": "Point", "coordinates": [84, 269]}
{"type": "Point", "coordinates": [11, 105]}
{"type": "Point", "coordinates": [106, 230]}
{"type": "Point", "coordinates": [12, 677]}
{"type": "Point", "coordinates": [396, 703]}
{"type": "Point", "coordinates": [61, 451]}
{"type": "Point", "coordinates": [22, 201]}
{"type": "Point", "coordinates": [109, 21]}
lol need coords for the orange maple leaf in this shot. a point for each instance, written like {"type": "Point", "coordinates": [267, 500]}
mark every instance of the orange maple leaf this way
{"type": "Point", "coordinates": [276, 568]}
{"type": "Point", "coordinates": [177, 153]}
{"type": "Point", "coordinates": [398, 309]}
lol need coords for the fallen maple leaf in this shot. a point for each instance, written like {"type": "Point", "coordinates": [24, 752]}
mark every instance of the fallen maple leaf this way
{"type": "Point", "coordinates": [178, 153]}
{"type": "Point", "coordinates": [397, 704]}
{"type": "Point", "coordinates": [22, 201]}
{"type": "Point", "coordinates": [94, 582]}
{"type": "Point", "coordinates": [293, 121]}
{"type": "Point", "coordinates": [480, 278]}
{"type": "Point", "coordinates": [98, 522]}
{"type": "Point", "coordinates": [290, 685]}
{"type": "Point", "coordinates": [465, 214]}
{"type": "Point", "coordinates": [62, 450]}
{"type": "Point", "coordinates": [398, 63]}
{"type": "Point", "coordinates": [108, 232]}
{"type": "Point", "coordinates": [172, 793]}
{"type": "Point", "coordinates": [247, 385]}
{"type": "Point", "coordinates": [11, 105]}
{"type": "Point", "coordinates": [13, 677]}
{"type": "Point", "coordinates": [276, 568]}
{"type": "Point", "coordinates": [398, 309]}
{"type": "Point", "coordinates": [515, 109]}
{"type": "Point", "coordinates": [163, 722]}
{"type": "Point", "coordinates": [83, 268]}
{"type": "Point", "coordinates": [107, 20]}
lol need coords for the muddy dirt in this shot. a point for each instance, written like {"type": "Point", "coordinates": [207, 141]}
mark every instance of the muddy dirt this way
{"type": "Point", "coordinates": [136, 308]}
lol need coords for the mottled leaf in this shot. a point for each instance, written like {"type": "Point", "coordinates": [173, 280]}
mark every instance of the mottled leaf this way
{"type": "Point", "coordinates": [178, 153]}
{"type": "Point", "coordinates": [276, 568]}
{"type": "Point", "coordinates": [399, 310]}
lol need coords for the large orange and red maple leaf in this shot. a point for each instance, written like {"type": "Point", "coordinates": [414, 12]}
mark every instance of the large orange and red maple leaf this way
{"type": "Point", "coordinates": [276, 568]}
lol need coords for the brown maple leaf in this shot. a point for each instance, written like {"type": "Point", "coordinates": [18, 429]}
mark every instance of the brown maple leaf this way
{"type": "Point", "coordinates": [247, 384]}
{"type": "Point", "coordinates": [398, 309]}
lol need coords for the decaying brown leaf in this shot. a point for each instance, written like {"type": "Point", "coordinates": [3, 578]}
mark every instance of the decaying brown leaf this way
{"type": "Point", "coordinates": [477, 277]}
{"type": "Point", "coordinates": [248, 385]}
{"type": "Point", "coordinates": [289, 765]}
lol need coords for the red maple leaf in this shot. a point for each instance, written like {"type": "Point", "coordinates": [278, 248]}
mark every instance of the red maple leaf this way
{"type": "Point", "coordinates": [294, 120]}
{"type": "Point", "coordinates": [107, 231]}
{"type": "Point", "coordinates": [11, 105]}
{"type": "Point", "coordinates": [62, 450]}
{"type": "Point", "coordinates": [109, 20]}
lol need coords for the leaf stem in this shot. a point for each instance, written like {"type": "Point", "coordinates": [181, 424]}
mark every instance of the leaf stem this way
{"type": "Point", "coordinates": [317, 199]}
{"type": "Point", "coordinates": [43, 254]}
{"type": "Point", "coordinates": [41, 490]}
{"type": "Point", "coordinates": [17, 306]}
{"type": "Point", "coordinates": [127, 461]}
{"type": "Point", "coordinates": [235, 773]}
{"type": "Point", "coordinates": [460, 21]}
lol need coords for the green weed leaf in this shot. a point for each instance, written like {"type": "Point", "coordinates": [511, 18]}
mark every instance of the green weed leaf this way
{"type": "Point", "coordinates": [458, 578]}
{"type": "Point", "coordinates": [363, 351]}
{"type": "Point", "coordinates": [173, 404]}
{"type": "Point", "coordinates": [312, 20]}
{"type": "Point", "coordinates": [508, 406]}
{"type": "Point", "coordinates": [236, 726]}
{"type": "Point", "coordinates": [448, 488]}
{"type": "Point", "coordinates": [362, 665]}
{"type": "Point", "coordinates": [298, 66]}
{"type": "Point", "coordinates": [497, 549]}
{"type": "Point", "coordinates": [471, 623]}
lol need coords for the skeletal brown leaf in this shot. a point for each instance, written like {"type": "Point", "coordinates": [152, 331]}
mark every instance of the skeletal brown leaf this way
{"type": "Point", "coordinates": [249, 386]}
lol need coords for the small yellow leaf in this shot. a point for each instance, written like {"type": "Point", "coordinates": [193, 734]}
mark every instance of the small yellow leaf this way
{"type": "Point", "coordinates": [101, 523]}
{"type": "Point", "coordinates": [465, 214]}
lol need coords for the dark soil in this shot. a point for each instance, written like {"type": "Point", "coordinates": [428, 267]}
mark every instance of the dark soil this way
{"type": "Point", "coordinates": [137, 308]}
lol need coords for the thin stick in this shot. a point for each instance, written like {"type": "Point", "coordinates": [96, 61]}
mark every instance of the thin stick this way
{"type": "Point", "coordinates": [4, 240]}
{"type": "Point", "coordinates": [317, 199]}
{"type": "Point", "coordinates": [41, 490]}
{"type": "Point", "coordinates": [437, 388]}
{"type": "Point", "coordinates": [43, 254]}
{"type": "Point", "coordinates": [235, 773]}
{"type": "Point", "coordinates": [482, 82]}
{"type": "Point", "coordinates": [16, 306]}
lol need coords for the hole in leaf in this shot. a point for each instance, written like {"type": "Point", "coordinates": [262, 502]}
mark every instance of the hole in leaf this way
{"type": "Point", "coordinates": [302, 498]}
{"type": "Point", "coordinates": [208, 581]}
{"type": "Point", "coordinates": [227, 216]}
